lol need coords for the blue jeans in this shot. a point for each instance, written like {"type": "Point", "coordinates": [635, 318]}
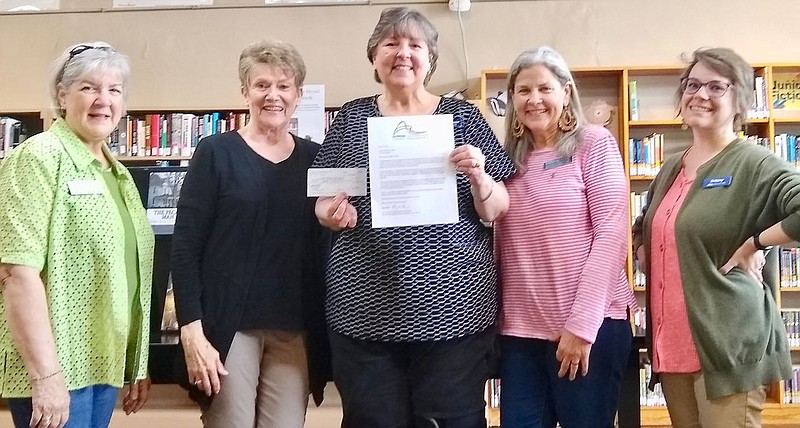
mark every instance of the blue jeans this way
{"type": "Point", "coordinates": [89, 407]}
{"type": "Point", "coordinates": [533, 396]}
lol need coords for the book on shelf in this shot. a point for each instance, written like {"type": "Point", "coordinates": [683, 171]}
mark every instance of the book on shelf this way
{"type": "Point", "coordinates": [791, 387]}
{"type": "Point", "coordinates": [791, 320]}
{"type": "Point", "coordinates": [169, 319]}
{"type": "Point", "coordinates": [760, 108]}
{"type": "Point", "coordinates": [639, 322]}
{"type": "Point", "coordinates": [633, 98]}
{"type": "Point", "coordinates": [646, 155]}
{"type": "Point", "coordinates": [648, 398]}
{"type": "Point", "coordinates": [786, 148]}
{"type": "Point", "coordinates": [786, 91]}
{"type": "Point", "coordinates": [493, 393]}
{"type": "Point", "coordinates": [12, 134]}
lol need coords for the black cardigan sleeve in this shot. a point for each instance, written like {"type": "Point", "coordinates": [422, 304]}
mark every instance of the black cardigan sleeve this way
{"type": "Point", "coordinates": [195, 217]}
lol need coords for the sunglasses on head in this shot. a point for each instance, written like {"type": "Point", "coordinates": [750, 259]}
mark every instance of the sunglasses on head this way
{"type": "Point", "coordinates": [77, 50]}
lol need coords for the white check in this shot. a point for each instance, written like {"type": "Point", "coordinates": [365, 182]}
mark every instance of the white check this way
{"type": "Point", "coordinates": [332, 181]}
{"type": "Point", "coordinates": [412, 181]}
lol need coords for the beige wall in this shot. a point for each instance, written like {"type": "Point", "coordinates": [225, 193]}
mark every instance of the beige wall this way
{"type": "Point", "coordinates": [186, 59]}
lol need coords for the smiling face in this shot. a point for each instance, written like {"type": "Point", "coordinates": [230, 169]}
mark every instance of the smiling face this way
{"type": "Point", "coordinates": [93, 104]}
{"type": "Point", "coordinates": [539, 98]}
{"type": "Point", "coordinates": [272, 95]}
{"type": "Point", "coordinates": [402, 61]}
{"type": "Point", "coordinates": [702, 110]}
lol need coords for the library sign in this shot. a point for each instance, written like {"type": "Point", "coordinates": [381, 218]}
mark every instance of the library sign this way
{"type": "Point", "coordinates": [786, 91]}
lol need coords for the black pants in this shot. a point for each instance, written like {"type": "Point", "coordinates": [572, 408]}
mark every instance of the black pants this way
{"type": "Point", "coordinates": [436, 384]}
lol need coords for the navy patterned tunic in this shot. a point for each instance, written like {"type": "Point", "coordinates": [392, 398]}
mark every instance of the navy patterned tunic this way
{"type": "Point", "coordinates": [415, 283]}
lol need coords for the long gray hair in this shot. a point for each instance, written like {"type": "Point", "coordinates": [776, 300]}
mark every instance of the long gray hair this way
{"type": "Point", "coordinates": [568, 142]}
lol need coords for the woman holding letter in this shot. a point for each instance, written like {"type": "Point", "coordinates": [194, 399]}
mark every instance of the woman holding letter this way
{"type": "Point", "coordinates": [411, 308]}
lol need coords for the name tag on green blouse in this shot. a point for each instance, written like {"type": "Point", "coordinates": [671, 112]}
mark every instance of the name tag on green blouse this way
{"type": "Point", "coordinates": [85, 187]}
{"type": "Point", "coordinates": [712, 182]}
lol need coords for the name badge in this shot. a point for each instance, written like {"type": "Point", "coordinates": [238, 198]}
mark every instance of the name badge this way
{"type": "Point", "coordinates": [555, 163]}
{"type": "Point", "coordinates": [710, 183]}
{"type": "Point", "coordinates": [85, 187]}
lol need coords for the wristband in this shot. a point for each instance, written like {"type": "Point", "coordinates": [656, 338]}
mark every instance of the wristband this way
{"type": "Point", "coordinates": [758, 244]}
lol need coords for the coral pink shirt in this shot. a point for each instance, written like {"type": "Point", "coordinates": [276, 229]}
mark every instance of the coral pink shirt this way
{"type": "Point", "coordinates": [673, 347]}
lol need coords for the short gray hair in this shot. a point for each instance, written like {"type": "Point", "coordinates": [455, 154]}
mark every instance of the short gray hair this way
{"type": "Point", "coordinates": [402, 21]}
{"type": "Point", "coordinates": [568, 142]}
{"type": "Point", "coordinates": [731, 66]}
{"type": "Point", "coordinates": [274, 53]}
{"type": "Point", "coordinates": [81, 59]}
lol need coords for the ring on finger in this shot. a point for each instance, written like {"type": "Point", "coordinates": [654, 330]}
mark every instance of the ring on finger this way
{"type": "Point", "coordinates": [46, 420]}
{"type": "Point", "coordinates": [198, 381]}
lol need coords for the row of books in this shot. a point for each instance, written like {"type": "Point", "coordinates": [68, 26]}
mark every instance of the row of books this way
{"type": "Point", "coordinates": [646, 155]}
{"type": "Point", "coordinates": [790, 267]}
{"type": "Point", "coordinates": [646, 396]}
{"type": "Point", "coordinates": [791, 319]}
{"type": "Point", "coordinates": [791, 387]}
{"type": "Point", "coordinates": [759, 110]}
{"type": "Point", "coordinates": [172, 134]}
{"type": "Point", "coordinates": [12, 134]}
{"type": "Point", "coordinates": [786, 148]}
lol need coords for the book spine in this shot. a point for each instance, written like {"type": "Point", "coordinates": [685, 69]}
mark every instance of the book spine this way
{"type": "Point", "coordinates": [633, 96]}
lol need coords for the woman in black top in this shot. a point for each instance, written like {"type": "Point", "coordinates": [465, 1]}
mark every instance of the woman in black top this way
{"type": "Point", "coordinates": [248, 259]}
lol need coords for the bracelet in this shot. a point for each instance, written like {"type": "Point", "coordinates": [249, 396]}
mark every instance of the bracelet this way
{"type": "Point", "coordinates": [39, 378]}
{"type": "Point", "coordinates": [758, 244]}
{"type": "Point", "coordinates": [488, 195]}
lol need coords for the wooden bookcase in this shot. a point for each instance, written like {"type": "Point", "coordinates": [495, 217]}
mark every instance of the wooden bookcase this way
{"type": "Point", "coordinates": [656, 87]}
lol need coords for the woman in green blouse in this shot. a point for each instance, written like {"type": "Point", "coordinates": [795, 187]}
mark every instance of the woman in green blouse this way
{"type": "Point", "coordinates": [76, 257]}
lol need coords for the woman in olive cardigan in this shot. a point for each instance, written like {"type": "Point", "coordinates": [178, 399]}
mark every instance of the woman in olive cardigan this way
{"type": "Point", "coordinates": [715, 336]}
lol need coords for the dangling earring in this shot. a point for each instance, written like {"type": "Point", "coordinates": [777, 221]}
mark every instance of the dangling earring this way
{"type": "Point", "coordinates": [518, 129]}
{"type": "Point", "coordinates": [567, 121]}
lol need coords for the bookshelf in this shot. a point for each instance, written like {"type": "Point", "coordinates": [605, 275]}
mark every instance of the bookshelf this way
{"type": "Point", "coordinates": [16, 126]}
{"type": "Point", "coordinates": [653, 122]}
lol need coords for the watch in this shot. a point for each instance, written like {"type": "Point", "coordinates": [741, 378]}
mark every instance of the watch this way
{"type": "Point", "coordinates": [758, 244]}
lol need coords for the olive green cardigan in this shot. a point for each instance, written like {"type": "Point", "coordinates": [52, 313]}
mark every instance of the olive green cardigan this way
{"type": "Point", "coordinates": [737, 329]}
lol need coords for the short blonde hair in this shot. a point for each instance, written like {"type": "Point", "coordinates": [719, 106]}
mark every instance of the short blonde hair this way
{"type": "Point", "coordinates": [275, 53]}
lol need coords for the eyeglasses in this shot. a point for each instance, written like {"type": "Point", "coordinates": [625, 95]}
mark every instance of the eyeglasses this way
{"type": "Point", "coordinates": [77, 50]}
{"type": "Point", "coordinates": [714, 88]}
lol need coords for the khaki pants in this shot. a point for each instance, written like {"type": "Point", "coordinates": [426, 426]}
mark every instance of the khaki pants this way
{"type": "Point", "coordinates": [267, 384]}
{"type": "Point", "coordinates": [689, 408]}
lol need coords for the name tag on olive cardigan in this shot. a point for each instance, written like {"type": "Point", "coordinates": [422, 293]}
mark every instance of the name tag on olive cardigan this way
{"type": "Point", "coordinates": [555, 163]}
{"type": "Point", "coordinates": [710, 183]}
